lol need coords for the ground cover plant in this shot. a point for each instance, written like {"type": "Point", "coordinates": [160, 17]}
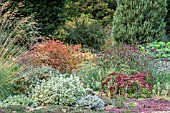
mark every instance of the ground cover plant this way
{"type": "Point", "coordinates": [158, 50]}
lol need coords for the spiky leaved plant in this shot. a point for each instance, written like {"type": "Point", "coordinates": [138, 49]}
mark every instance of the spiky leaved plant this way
{"type": "Point", "coordinates": [139, 20]}
{"type": "Point", "coordinates": [9, 60]}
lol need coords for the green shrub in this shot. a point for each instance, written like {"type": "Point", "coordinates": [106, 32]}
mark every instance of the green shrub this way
{"type": "Point", "coordinates": [101, 10]}
{"type": "Point", "coordinates": [32, 76]}
{"type": "Point", "coordinates": [48, 14]}
{"type": "Point", "coordinates": [34, 19]}
{"type": "Point", "coordinates": [19, 100]}
{"type": "Point", "coordinates": [91, 102]}
{"type": "Point", "coordinates": [167, 19]}
{"type": "Point", "coordinates": [139, 20]}
{"type": "Point", "coordinates": [85, 31]}
{"type": "Point", "coordinates": [58, 91]}
{"type": "Point", "coordinates": [90, 74]}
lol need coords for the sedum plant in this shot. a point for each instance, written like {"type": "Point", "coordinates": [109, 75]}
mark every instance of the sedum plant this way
{"type": "Point", "coordinates": [91, 102]}
{"type": "Point", "coordinates": [139, 20]}
{"type": "Point", "coordinates": [134, 85]}
{"type": "Point", "coordinates": [58, 91]}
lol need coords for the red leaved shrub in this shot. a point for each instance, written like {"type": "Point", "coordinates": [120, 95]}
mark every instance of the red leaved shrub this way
{"type": "Point", "coordinates": [55, 54]}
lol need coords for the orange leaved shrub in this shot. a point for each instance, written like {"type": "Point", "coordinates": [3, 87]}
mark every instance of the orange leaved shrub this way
{"type": "Point", "coordinates": [56, 55]}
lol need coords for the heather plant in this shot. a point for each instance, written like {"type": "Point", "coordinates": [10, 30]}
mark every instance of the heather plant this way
{"type": "Point", "coordinates": [126, 59]}
{"type": "Point", "coordinates": [139, 20]}
{"type": "Point", "coordinates": [56, 55]}
{"type": "Point", "coordinates": [58, 91]}
{"type": "Point", "coordinates": [135, 85]}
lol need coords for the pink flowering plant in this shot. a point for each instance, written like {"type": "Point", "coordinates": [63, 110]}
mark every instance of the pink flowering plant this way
{"type": "Point", "coordinates": [134, 85]}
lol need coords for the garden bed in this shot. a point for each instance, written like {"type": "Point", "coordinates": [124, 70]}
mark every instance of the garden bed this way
{"type": "Point", "coordinates": [144, 106]}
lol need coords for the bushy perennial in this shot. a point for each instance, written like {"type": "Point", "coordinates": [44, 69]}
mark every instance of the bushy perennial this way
{"type": "Point", "coordinates": [91, 102]}
{"type": "Point", "coordinates": [58, 91]}
{"type": "Point", "coordinates": [20, 100]}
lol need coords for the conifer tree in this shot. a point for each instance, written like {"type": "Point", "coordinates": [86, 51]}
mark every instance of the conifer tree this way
{"type": "Point", "coordinates": [139, 20]}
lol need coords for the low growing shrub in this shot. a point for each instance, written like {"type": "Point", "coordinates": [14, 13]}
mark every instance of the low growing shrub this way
{"type": "Point", "coordinates": [91, 102]}
{"type": "Point", "coordinates": [32, 76]}
{"type": "Point", "coordinates": [58, 91]}
{"type": "Point", "coordinates": [55, 54]}
{"type": "Point", "coordinates": [127, 59]}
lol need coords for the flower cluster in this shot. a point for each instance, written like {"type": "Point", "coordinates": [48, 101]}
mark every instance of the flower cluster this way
{"type": "Point", "coordinates": [120, 83]}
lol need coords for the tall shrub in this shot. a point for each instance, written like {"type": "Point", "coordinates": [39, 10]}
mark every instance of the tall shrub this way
{"type": "Point", "coordinates": [139, 20]}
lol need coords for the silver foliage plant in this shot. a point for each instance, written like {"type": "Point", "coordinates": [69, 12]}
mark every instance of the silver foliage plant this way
{"type": "Point", "coordinates": [58, 91]}
{"type": "Point", "coordinates": [91, 102]}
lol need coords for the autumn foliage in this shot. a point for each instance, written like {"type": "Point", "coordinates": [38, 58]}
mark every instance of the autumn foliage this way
{"type": "Point", "coordinates": [55, 54]}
